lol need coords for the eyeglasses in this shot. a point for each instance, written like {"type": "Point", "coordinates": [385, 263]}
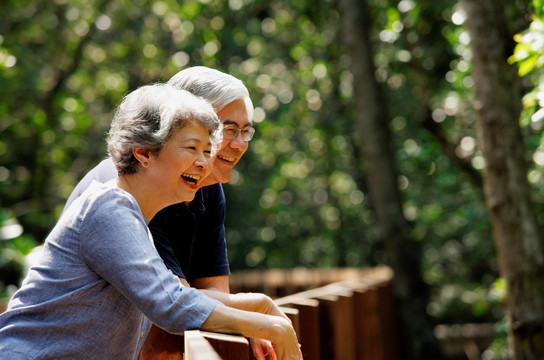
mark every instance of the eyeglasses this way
{"type": "Point", "coordinates": [231, 131]}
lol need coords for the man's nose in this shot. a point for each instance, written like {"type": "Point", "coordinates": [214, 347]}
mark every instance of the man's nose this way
{"type": "Point", "coordinates": [238, 142]}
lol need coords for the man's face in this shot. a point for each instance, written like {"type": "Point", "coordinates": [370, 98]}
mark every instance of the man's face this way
{"type": "Point", "coordinates": [231, 151]}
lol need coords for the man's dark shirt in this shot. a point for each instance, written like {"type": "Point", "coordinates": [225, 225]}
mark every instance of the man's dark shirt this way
{"type": "Point", "coordinates": [191, 239]}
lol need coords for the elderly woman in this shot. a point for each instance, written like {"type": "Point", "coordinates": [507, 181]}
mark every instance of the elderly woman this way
{"type": "Point", "coordinates": [100, 278]}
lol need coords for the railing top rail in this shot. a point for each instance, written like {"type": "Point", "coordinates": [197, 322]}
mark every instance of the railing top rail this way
{"type": "Point", "coordinates": [197, 347]}
{"type": "Point", "coordinates": [372, 278]}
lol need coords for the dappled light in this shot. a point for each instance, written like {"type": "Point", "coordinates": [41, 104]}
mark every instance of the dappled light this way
{"type": "Point", "coordinates": [300, 196]}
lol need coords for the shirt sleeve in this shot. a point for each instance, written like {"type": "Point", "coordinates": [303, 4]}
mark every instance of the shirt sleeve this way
{"type": "Point", "coordinates": [210, 251]}
{"type": "Point", "coordinates": [117, 245]}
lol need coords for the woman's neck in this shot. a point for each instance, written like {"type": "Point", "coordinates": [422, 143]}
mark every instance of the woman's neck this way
{"type": "Point", "coordinates": [135, 186]}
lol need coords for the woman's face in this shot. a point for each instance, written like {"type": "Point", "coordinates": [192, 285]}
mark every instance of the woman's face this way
{"type": "Point", "coordinates": [182, 163]}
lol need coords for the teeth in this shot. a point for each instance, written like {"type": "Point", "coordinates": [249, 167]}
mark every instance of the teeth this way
{"type": "Point", "coordinates": [226, 158]}
{"type": "Point", "coordinates": [194, 177]}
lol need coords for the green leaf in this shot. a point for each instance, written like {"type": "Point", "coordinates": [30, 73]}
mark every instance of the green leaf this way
{"type": "Point", "coordinates": [521, 52]}
{"type": "Point", "coordinates": [538, 6]}
{"type": "Point", "coordinates": [527, 65]}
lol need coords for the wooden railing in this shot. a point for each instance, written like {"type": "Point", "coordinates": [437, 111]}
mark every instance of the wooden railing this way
{"type": "Point", "coordinates": [202, 345]}
{"type": "Point", "coordinates": [352, 318]}
{"type": "Point", "coordinates": [198, 347]}
{"type": "Point", "coordinates": [338, 314]}
{"type": "Point", "coordinates": [278, 283]}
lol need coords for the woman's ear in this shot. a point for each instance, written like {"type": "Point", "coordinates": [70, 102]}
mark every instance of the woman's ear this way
{"type": "Point", "coordinates": [142, 155]}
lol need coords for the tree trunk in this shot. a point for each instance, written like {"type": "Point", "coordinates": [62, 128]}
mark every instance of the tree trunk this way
{"type": "Point", "coordinates": [516, 231]}
{"type": "Point", "coordinates": [374, 135]}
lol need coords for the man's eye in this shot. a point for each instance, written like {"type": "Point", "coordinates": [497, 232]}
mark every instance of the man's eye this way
{"type": "Point", "coordinates": [229, 130]}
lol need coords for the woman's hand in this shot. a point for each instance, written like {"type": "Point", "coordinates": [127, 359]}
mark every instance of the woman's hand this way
{"type": "Point", "coordinates": [261, 348]}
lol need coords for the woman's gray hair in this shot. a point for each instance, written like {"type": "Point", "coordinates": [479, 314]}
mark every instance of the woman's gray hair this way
{"type": "Point", "coordinates": [218, 88]}
{"type": "Point", "coordinates": [148, 116]}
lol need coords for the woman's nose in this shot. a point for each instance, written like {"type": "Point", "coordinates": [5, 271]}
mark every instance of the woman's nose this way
{"type": "Point", "coordinates": [202, 161]}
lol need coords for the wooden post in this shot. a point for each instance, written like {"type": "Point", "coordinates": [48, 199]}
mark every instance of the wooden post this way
{"type": "Point", "coordinates": [293, 315]}
{"type": "Point", "coordinates": [390, 321]}
{"type": "Point", "coordinates": [337, 325]}
{"type": "Point", "coordinates": [336, 332]}
{"type": "Point", "coordinates": [367, 325]}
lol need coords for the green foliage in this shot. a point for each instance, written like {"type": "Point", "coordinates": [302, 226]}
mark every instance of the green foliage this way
{"type": "Point", "coordinates": [528, 56]}
{"type": "Point", "coordinates": [498, 349]}
{"type": "Point", "coordinates": [14, 246]}
{"type": "Point", "coordinates": [299, 195]}
{"type": "Point", "coordinates": [530, 61]}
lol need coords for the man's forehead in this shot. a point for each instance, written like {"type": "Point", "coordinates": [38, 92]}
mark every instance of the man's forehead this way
{"type": "Point", "coordinates": [240, 123]}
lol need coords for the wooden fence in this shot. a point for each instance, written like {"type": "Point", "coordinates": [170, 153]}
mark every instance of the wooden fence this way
{"type": "Point", "coordinates": [351, 318]}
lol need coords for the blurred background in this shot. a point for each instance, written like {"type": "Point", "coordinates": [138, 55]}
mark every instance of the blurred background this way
{"type": "Point", "coordinates": [300, 195]}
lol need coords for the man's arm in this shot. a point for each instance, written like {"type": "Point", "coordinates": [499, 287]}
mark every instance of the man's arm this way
{"type": "Point", "coordinates": [219, 283]}
{"type": "Point", "coordinates": [211, 246]}
{"type": "Point", "coordinates": [254, 302]}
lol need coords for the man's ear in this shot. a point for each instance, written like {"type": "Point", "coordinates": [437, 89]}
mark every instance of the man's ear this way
{"type": "Point", "coordinates": [142, 155]}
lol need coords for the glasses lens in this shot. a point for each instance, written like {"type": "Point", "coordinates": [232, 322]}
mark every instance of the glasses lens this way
{"type": "Point", "coordinates": [247, 133]}
{"type": "Point", "coordinates": [230, 132]}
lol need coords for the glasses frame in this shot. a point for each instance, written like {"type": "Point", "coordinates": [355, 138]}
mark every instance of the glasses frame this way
{"type": "Point", "coordinates": [247, 137]}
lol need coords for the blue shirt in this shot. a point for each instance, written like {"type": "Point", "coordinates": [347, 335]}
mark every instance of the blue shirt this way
{"type": "Point", "coordinates": [98, 282]}
{"type": "Point", "coordinates": [190, 239]}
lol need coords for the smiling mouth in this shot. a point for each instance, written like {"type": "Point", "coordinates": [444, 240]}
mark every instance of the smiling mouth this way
{"type": "Point", "coordinates": [227, 158]}
{"type": "Point", "coordinates": [191, 179]}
